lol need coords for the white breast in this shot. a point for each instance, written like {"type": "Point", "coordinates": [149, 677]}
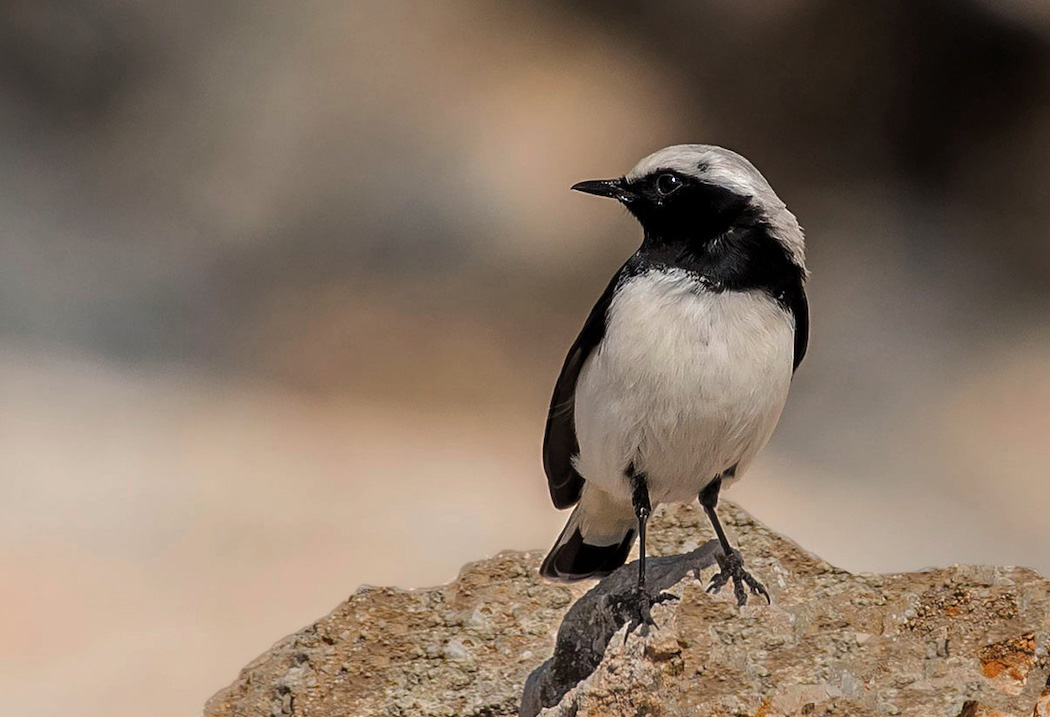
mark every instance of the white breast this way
{"type": "Point", "coordinates": [686, 384]}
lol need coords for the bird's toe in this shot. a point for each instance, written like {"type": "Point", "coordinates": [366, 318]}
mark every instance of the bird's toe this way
{"type": "Point", "coordinates": [733, 569]}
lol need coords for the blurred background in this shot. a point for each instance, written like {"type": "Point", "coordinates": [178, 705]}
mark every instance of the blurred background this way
{"type": "Point", "coordinates": [284, 289]}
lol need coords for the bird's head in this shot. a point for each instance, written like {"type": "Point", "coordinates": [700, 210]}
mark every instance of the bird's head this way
{"type": "Point", "coordinates": [699, 192]}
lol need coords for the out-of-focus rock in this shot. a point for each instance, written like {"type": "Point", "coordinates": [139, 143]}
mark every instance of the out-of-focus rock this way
{"type": "Point", "coordinates": [961, 641]}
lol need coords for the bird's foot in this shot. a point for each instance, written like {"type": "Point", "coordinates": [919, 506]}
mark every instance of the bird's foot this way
{"type": "Point", "coordinates": [637, 607]}
{"type": "Point", "coordinates": [733, 569]}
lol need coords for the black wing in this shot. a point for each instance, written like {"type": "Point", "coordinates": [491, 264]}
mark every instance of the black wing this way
{"type": "Point", "coordinates": [799, 306]}
{"type": "Point", "coordinates": [559, 441]}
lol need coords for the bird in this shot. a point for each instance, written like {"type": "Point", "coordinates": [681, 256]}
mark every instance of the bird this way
{"type": "Point", "coordinates": [682, 369]}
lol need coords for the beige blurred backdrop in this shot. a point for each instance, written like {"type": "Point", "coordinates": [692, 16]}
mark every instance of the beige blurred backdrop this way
{"type": "Point", "coordinates": [284, 288]}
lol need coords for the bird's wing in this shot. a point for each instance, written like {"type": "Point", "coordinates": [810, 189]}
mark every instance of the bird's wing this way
{"type": "Point", "coordinates": [559, 441]}
{"type": "Point", "coordinates": [799, 306]}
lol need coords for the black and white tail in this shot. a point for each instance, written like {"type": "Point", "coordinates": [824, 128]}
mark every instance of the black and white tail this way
{"type": "Point", "coordinates": [580, 553]}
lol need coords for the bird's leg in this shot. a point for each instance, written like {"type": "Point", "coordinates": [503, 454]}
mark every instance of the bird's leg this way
{"type": "Point", "coordinates": [642, 511]}
{"type": "Point", "coordinates": [733, 564]}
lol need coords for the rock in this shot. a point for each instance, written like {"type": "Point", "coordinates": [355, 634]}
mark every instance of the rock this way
{"type": "Point", "coordinates": [459, 649]}
{"type": "Point", "coordinates": [1042, 707]}
{"type": "Point", "coordinates": [960, 641]}
{"type": "Point", "coordinates": [588, 626]}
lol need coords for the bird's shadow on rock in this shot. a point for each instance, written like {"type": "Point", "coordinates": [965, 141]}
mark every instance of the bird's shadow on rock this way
{"type": "Point", "coordinates": [597, 616]}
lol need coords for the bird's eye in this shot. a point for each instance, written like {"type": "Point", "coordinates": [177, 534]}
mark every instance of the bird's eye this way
{"type": "Point", "coordinates": [667, 184]}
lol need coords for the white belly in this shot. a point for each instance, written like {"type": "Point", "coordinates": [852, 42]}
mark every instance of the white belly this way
{"type": "Point", "coordinates": [685, 385]}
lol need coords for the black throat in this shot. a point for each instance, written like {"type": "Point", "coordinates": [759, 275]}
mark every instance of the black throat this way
{"type": "Point", "coordinates": [720, 238]}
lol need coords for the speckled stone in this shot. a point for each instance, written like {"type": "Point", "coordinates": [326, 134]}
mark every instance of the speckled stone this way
{"type": "Point", "coordinates": [955, 641]}
{"type": "Point", "coordinates": [458, 649]}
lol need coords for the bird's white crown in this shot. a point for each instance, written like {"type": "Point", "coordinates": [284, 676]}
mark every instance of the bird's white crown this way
{"type": "Point", "coordinates": [725, 168]}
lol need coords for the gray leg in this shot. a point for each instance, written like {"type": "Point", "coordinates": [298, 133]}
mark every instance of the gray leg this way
{"type": "Point", "coordinates": [733, 565]}
{"type": "Point", "coordinates": [642, 509]}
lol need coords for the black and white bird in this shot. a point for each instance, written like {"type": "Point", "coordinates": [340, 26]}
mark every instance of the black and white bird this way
{"type": "Point", "coordinates": [682, 368]}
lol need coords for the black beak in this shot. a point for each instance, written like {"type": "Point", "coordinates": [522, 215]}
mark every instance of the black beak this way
{"type": "Point", "coordinates": [617, 189]}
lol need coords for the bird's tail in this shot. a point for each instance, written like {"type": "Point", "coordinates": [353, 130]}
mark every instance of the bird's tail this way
{"type": "Point", "coordinates": [594, 542]}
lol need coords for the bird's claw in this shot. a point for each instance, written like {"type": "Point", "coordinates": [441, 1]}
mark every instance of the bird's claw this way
{"type": "Point", "coordinates": [638, 607]}
{"type": "Point", "coordinates": [733, 569]}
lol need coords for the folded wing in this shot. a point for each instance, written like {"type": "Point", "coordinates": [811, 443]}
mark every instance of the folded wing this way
{"type": "Point", "coordinates": [560, 446]}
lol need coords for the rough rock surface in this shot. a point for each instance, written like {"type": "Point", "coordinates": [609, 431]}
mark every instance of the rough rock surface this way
{"type": "Point", "coordinates": [592, 621]}
{"type": "Point", "coordinates": [459, 649]}
{"type": "Point", "coordinates": [961, 641]}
